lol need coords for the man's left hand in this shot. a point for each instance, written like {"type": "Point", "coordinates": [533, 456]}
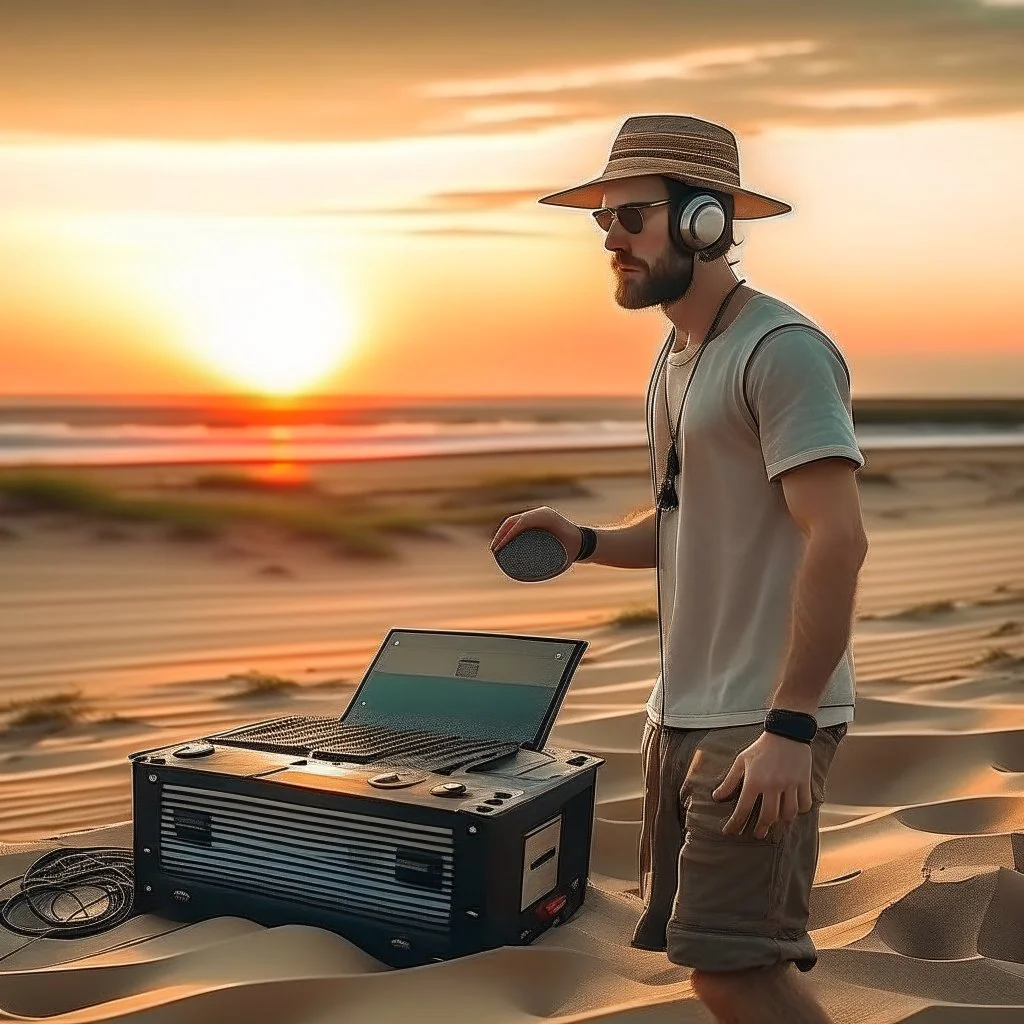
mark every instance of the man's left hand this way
{"type": "Point", "coordinates": [779, 771]}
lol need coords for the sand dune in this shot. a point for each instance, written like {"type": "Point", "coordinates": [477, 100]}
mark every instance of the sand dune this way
{"type": "Point", "coordinates": [918, 904]}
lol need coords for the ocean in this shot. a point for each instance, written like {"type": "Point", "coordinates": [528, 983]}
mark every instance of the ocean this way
{"type": "Point", "coordinates": [148, 432]}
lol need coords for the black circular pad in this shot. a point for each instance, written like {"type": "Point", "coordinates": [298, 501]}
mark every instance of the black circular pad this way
{"type": "Point", "coordinates": [532, 556]}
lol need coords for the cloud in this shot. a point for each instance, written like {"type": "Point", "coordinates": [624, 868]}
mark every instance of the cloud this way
{"type": "Point", "coordinates": [865, 99]}
{"type": "Point", "coordinates": [455, 232]}
{"type": "Point", "coordinates": [679, 67]}
{"type": "Point", "coordinates": [441, 202]}
{"type": "Point", "coordinates": [483, 200]}
{"type": "Point", "coordinates": [319, 70]}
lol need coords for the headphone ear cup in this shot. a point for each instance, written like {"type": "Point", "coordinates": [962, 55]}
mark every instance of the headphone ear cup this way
{"type": "Point", "coordinates": [701, 222]}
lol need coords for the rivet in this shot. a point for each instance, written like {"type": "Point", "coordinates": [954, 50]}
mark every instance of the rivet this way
{"type": "Point", "coordinates": [146, 849]}
{"type": "Point", "coordinates": [148, 888]}
{"type": "Point", "coordinates": [152, 778]}
{"type": "Point", "coordinates": [471, 830]}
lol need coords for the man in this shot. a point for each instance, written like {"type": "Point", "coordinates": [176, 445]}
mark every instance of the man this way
{"type": "Point", "coordinates": [758, 564]}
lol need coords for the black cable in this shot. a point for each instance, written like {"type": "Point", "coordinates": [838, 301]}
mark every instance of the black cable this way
{"type": "Point", "coordinates": [59, 874]}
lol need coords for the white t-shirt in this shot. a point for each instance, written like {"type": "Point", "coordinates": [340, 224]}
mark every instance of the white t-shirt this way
{"type": "Point", "coordinates": [729, 553]}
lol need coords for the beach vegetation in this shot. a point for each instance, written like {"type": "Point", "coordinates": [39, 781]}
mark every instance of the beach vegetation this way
{"type": "Point", "coordinates": [259, 684]}
{"type": "Point", "coordinates": [512, 490]}
{"type": "Point", "coordinates": [48, 713]}
{"type": "Point", "coordinates": [915, 611]}
{"type": "Point", "coordinates": [636, 615]}
{"type": "Point", "coordinates": [1008, 628]}
{"type": "Point", "coordinates": [359, 531]}
{"type": "Point", "coordinates": [927, 608]}
{"type": "Point", "coordinates": [353, 526]}
{"type": "Point", "coordinates": [999, 657]}
{"type": "Point", "coordinates": [233, 480]}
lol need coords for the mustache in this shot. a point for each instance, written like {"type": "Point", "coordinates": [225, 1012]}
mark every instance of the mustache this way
{"type": "Point", "coordinates": [622, 265]}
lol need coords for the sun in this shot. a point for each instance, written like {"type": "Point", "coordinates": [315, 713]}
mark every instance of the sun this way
{"type": "Point", "coordinates": [263, 316]}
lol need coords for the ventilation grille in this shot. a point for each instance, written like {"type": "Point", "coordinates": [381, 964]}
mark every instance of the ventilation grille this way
{"type": "Point", "coordinates": [356, 864]}
{"type": "Point", "coordinates": [328, 739]}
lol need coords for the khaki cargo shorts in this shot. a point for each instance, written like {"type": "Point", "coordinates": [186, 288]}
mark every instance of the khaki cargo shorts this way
{"type": "Point", "coordinates": [721, 902]}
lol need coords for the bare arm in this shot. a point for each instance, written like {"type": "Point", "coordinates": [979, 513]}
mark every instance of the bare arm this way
{"type": "Point", "coordinates": [629, 546]}
{"type": "Point", "coordinates": [823, 499]}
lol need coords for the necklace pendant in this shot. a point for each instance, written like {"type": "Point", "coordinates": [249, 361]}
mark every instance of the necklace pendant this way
{"type": "Point", "coordinates": [667, 497]}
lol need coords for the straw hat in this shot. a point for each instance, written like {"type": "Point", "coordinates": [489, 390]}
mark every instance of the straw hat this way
{"type": "Point", "coordinates": [699, 153]}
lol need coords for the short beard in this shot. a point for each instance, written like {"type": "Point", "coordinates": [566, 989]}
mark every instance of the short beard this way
{"type": "Point", "coordinates": [665, 282]}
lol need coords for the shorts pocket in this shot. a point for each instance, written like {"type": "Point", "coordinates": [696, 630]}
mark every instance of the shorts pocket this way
{"type": "Point", "coordinates": [726, 880]}
{"type": "Point", "coordinates": [712, 760]}
{"type": "Point", "coordinates": [728, 885]}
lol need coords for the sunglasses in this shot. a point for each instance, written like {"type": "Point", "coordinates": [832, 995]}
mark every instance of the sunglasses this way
{"type": "Point", "coordinates": [629, 215]}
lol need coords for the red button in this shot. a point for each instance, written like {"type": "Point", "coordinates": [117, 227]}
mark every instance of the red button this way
{"type": "Point", "coordinates": [552, 907]}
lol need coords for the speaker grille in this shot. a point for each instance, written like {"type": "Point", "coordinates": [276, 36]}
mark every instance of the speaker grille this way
{"type": "Point", "coordinates": [328, 739]}
{"type": "Point", "coordinates": [532, 556]}
{"type": "Point", "coordinates": [356, 864]}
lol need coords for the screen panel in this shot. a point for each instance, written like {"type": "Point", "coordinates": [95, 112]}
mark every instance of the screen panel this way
{"type": "Point", "coordinates": [475, 685]}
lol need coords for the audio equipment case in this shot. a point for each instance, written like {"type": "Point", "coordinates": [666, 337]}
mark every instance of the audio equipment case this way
{"type": "Point", "coordinates": [428, 822]}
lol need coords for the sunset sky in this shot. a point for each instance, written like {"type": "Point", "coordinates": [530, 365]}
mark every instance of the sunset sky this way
{"type": "Point", "coordinates": [340, 196]}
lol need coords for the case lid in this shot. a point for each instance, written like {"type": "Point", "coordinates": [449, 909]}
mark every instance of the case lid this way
{"type": "Point", "coordinates": [486, 686]}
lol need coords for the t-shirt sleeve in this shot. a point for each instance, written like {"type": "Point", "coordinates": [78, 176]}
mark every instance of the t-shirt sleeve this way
{"type": "Point", "coordinates": [798, 390]}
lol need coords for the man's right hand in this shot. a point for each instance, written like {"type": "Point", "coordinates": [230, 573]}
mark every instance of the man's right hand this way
{"type": "Point", "coordinates": [544, 518]}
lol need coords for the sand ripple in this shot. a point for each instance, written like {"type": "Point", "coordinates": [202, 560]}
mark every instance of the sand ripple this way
{"type": "Point", "coordinates": [918, 903]}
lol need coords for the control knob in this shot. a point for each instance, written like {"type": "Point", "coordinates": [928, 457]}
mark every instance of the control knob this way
{"type": "Point", "coordinates": [199, 749]}
{"type": "Point", "coordinates": [449, 789]}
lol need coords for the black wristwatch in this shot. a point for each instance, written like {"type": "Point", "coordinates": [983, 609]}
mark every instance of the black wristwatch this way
{"type": "Point", "coordinates": [588, 543]}
{"type": "Point", "coordinates": [794, 725]}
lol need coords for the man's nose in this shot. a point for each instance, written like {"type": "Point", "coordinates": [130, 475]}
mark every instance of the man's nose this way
{"type": "Point", "coordinates": [615, 238]}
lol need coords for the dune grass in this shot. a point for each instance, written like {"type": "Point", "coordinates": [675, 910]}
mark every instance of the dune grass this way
{"type": "Point", "coordinates": [116, 720]}
{"type": "Point", "coordinates": [1008, 628]}
{"type": "Point", "coordinates": [512, 490]}
{"type": "Point", "coordinates": [259, 684]}
{"type": "Point", "coordinates": [916, 611]}
{"type": "Point", "coordinates": [353, 526]}
{"type": "Point", "coordinates": [635, 615]}
{"type": "Point", "coordinates": [190, 519]}
{"type": "Point", "coordinates": [1001, 596]}
{"type": "Point", "coordinates": [999, 657]}
{"type": "Point", "coordinates": [927, 608]}
{"type": "Point", "coordinates": [231, 480]}
{"type": "Point", "coordinates": [68, 495]}
{"type": "Point", "coordinates": [49, 713]}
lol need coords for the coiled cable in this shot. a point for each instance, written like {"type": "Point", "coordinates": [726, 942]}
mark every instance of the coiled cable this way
{"type": "Point", "coordinates": [50, 902]}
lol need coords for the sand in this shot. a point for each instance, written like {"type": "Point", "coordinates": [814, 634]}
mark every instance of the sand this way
{"type": "Point", "coordinates": [918, 904]}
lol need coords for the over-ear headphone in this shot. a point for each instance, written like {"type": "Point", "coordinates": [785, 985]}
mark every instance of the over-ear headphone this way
{"type": "Point", "coordinates": [698, 223]}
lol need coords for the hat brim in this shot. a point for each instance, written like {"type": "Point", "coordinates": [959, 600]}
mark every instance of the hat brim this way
{"type": "Point", "coordinates": [590, 195]}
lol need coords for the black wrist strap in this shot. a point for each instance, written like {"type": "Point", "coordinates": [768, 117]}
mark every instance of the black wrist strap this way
{"type": "Point", "coordinates": [794, 725]}
{"type": "Point", "coordinates": [588, 545]}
